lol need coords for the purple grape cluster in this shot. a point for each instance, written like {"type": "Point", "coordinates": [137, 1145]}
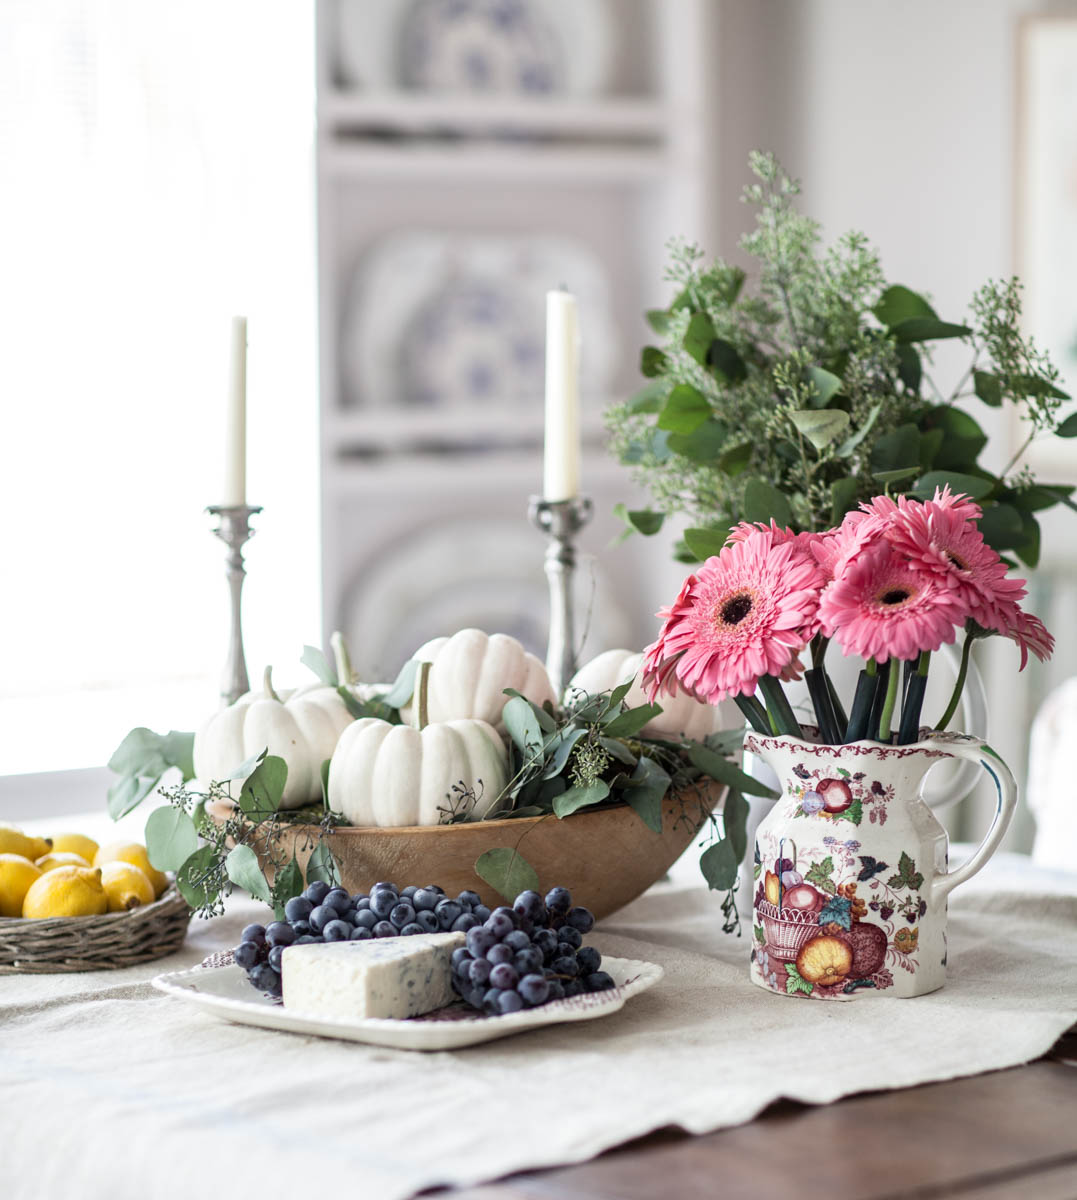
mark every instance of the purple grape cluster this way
{"type": "Point", "coordinates": [526, 955]}
{"type": "Point", "coordinates": [328, 914]}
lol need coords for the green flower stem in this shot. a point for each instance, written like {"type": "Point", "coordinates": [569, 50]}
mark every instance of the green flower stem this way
{"type": "Point", "coordinates": [778, 706]}
{"type": "Point", "coordinates": [835, 702]}
{"type": "Point", "coordinates": [914, 701]}
{"type": "Point", "coordinates": [879, 699]}
{"type": "Point", "coordinates": [959, 686]}
{"type": "Point", "coordinates": [815, 678]}
{"type": "Point", "coordinates": [754, 713]}
{"type": "Point", "coordinates": [856, 728]}
{"type": "Point", "coordinates": [893, 676]}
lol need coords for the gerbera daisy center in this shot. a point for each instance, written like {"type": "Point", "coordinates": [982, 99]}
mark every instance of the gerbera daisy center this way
{"type": "Point", "coordinates": [895, 596]}
{"type": "Point", "coordinates": [736, 608]}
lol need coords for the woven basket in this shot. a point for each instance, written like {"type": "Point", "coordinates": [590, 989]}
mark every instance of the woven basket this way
{"type": "Point", "coordinates": [786, 929]}
{"type": "Point", "coordinates": [54, 944]}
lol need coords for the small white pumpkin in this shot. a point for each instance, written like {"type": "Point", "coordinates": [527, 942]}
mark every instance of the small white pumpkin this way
{"type": "Point", "coordinates": [395, 775]}
{"type": "Point", "coordinates": [681, 716]}
{"type": "Point", "coordinates": [470, 671]}
{"type": "Point", "coordinates": [301, 727]}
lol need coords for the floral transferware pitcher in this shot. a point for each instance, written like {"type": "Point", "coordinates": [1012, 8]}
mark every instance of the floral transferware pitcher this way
{"type": "Point", "coordinates": [851, 866]}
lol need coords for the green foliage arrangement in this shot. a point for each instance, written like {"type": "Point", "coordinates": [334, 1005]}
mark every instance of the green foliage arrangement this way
{"type": "Point", "coordinates": [587, 755]}
{"type": "Point", "coordinates": [812, 391]}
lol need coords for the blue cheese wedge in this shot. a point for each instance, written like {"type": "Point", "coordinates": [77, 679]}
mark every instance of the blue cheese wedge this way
{"type": "Point", "coordinates": [382, 977]}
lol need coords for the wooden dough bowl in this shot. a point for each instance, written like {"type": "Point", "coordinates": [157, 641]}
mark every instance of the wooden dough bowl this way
{"type": "Point", "coordinates": [606, 857]}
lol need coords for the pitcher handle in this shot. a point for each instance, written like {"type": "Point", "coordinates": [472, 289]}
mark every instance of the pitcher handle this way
{"type": "Point", "coordinates": [980, 753]}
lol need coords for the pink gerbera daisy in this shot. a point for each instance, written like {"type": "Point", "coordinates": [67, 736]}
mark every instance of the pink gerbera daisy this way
{"type": "Point", "coordinates": [943, 539]}
{"type": "Point", "coordinates": [746, 613]}
{"type": "Point", "coordinates": [882, 606]}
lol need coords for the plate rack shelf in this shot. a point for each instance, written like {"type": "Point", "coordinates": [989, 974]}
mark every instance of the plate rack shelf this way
{"type": "Point", "coordinates": [616, 168]}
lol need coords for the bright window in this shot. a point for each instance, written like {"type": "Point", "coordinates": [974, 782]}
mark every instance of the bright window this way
{"type": "Point", "coordinates": [156, 176]}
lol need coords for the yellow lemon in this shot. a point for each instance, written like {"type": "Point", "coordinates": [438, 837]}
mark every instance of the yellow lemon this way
{"type": "Point", "coordinates": [49, 862]}
{"type": "Point", "coordinates": [16, 875]}
{"type": "Point", "coordinates": [126, 886]}
{"type": "Point", "coordinates": [66, 892]}
{"type": "Point", "coordinates": [135, 854]}
{"type": "Point", "coordinates": [75, 843]}
{"type": "Point", "coordinates": [14, 841]}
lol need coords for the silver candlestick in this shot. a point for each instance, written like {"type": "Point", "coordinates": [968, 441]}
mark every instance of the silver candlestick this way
{"type": "Point", "coordinates": [560, 521]}
{"type": "Point", "coordinates": [235, 531]}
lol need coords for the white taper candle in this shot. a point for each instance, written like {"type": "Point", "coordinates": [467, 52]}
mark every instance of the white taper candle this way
{"type": "Point", "coordinates": [561, 466]}
{"type": "Point", "coordinates": [235, 430]}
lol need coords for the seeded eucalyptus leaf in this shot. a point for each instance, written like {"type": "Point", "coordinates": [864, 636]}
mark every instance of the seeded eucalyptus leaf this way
{"type": "Point", "coordinates": [191, 879]}
{"type": "Point", "coordinates": [650, 397]}
{"type": "Point", "coordinates": [988, 387]}
{"type": "Point", "coordinates": [658, 319]}
{"type": "Point", "coordinates": [313, 658]}
{"type": "Point", "coordinates": [640, 520]}
{"type": "Point", "coordinates": [896, 451]}
{"type": "Point", "coordinates": [522, 726]}
{"type": "Point", "coordinates": [1002, 527]}
{"type": "Point", "coordinates": [246, 767]}
{"type": "Point", "coordinates": [735, 822]}
{"type": "Point", "coordinates": [618, 750]}
{"type": "Point", "coordinates": [243, 870]}
{"type": "Point", "coordinates": [726, 363]}
{"type": "Point", "coordinates": [719, 865]}
{"type": "Point", "coordinates": [403, 686]}
{"type": "Point", "coordinates": [171, 838]}
{"type": "Point", "coordinates": [545, 720]}
{"type": "Point", "coordinates": [762, 502]}
{"type": "Point", "coordinates": [736, 458]}
{"type": "Point", "coordinates": [652, 362]}
{"type": "Point", "coordinates": [724, 771]}
{"type": "Point", "coordinates": [826, 385]}
{"type": "Point", "coordinates": [1068, 428]}
{"type": "Point", "coordinates": [618, 694]}
{"type": "Point", "coordinates": [928, 329]}
{"type": "Point", "coordinates": [698, 337]}
{"type": "Point", "coordinates": [178, 750]}
{"type": "Point", "coordinates": [686, 408]}
{"type": "Point", "coordinates": [910, 369]}
{"type": "Point", "coordinates": [705, 444]}
{"type": "Point", "coordinates": [126, 794]}
{"type": "Point", "coordinates": [287, 882]}
{"type": "Point", "coordinates": [899, 303]}
{"type": "Point", "coordinates": [628, 724]}
{"type": "Point", "coordinates": [1029, 550]}
{"type": "Point", "coordinates": [854, 439]}
{"type": "Point", "coordinates": [507, 872]}
{"type": "Point", "coordinates": [646, 798]}
{"type": "Point", "coordinates": [140, 753]}
{"type": "Point", "coordinates": [897, 475]}
{"type": "Point", "coordinates": [705, 543]}
{"type": "Point", "coordinates": [1039, 496]}
{"type": "Point", "coordinates": [843, 498]}
{"type": "Point", "coordinates": [560, 755]}
{"type": "Point", "coordinates": [1036, 385]}
{"type": "Point", "coordinates": [820, 426]}
{"type": "Point", "coordinates": [322, 866]}
{"type": "Point", "coordinates": [575, 798]}
{"type": "Point", "coordinates": [970, 485]}
{"type": "Point", "coordinates": [262, 790]}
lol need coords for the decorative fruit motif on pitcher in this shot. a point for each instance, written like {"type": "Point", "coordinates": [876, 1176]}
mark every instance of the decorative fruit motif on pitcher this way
{"type": "Point", "coordinates": [830, 923]}
{"type": "Point", "coordinates": [833, 793]}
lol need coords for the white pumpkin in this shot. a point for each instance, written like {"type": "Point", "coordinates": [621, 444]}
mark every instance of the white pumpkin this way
{"type": "Point", "coordinates": [681, 716]}
{"type": "Point", "coordinates": [394, 775]}
{"type": "Point", "coordinates": [470, 671]}
{"type": "Point", "coordinates": [301, 727]}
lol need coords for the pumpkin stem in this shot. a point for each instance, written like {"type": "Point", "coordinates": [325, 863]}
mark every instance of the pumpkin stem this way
{"type": "Point", "coordinates": [422, 693]}
{"type": "Point", "coordinates": [345, 674]}
{"type": "Point", "coordinates": [267, 685]}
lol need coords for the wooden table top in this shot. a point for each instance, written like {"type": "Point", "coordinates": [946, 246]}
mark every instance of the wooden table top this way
{"type": "Point", "coordinates": [1006, 1134]}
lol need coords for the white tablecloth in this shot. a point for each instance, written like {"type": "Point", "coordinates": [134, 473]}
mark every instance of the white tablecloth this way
{"type": "Point", "coordinates": [109, 1089]}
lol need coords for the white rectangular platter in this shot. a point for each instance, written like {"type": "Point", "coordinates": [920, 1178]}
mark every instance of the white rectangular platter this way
{"type": "Point", "coordinates": [226, 991]}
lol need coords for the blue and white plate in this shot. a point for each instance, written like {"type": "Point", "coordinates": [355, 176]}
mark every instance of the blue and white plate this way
{"type": "Point", "coordinates": [501, 47]}
{"type": "Point", "coordinates": [448, 320]}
